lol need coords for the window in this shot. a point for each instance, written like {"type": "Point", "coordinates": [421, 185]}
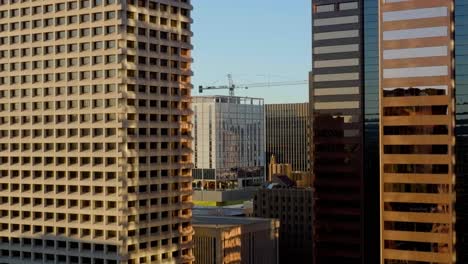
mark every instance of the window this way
{"type": "Point", "coordinates": [110, 15]}
{"type": "Point", "coordinates": [60, 49]}
{"type": "Point", "coordinates": [84, 32]}
{"type": "Point", "coordinates": [14, 39]}
{"type": "Point", "coordinates": [37, 37]}
{"type": "Point", "coordinates": [48, 9]}
{"type": "Point", "coordinates": [73, 33]}
{"type": "Point", "coordinates": [84, 3]}
{"type": "Point", "coordinates": [59, 63]}
{"type": "Point", "coordinates": [110, 58]}
{"type": "Point", "coordinates": [348, 6]}
{"type": "Point", "coordinates": [97, 45]}
{"type": "Point", "coordinates": [97, 60]}
{"type": "Point", "coordinates": [60, 35]}
{"type": "Point", "coordinates": [14, 26]}
{"type": "Point", "coordinates": [59, 21]}
{"type": "Point", "coordinates": [72, 20]}
{"type": "Point", "coordinates": [59, 7]}
{"type": "Point", "coordinates": [36, 10]}
{"type": "Point", "coordinates": [25, 24]}
{"type": "Point", "coordinates": [72, 5]}
{"type": "Point", "coordinates": [97, 16]}
{"type": "Point", "coordinates": [110, 44]}
{"type": "Point", "coordinates": [97, 31]}
{"type": "Point", "coordinates": [85, 46]}
{"type": "Point", "coordinates": [84, 61]}
{"type": "Point", "coordinates": [48, 22]}
{"type": "Point", "coordinates": [84, 18]}
{"type": "Point", "coordinates": [110, 29]}
{"type": "Point", "coordinates": [72, 47]}
{"type": "Point", "coordinates": [37, 23]}
{"type": "Point", "coordinates": [48, 50]}
{"type": "Point", "coordinates": [325, 8]}
{"type": "Point", "coordinates": [48, 36]}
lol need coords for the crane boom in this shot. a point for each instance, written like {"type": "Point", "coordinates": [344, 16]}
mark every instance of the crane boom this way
{"type": "Point", "coordinates": [231, 86]}
{"type": "Point", "coordinates": [268, 84]}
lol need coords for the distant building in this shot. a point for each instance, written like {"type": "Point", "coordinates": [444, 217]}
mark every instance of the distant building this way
{"type": "Point", "coordinates": [293, 208]}
{"type": "Point", "coordinates": [221, 239]}
{"type": "Point", "coordinates": [229, 142]}
{"type": "Point", "coordinates": [303, 179]}
{"type": "Point", "coordinates": [244, 209]}
{"type": "Point", "coordinates": [287, 134]}
{"type": "Point", "coordinates": [278, 168]}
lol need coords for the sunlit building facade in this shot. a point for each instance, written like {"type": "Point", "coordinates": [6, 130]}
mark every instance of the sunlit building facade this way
{"type": "Point", "coordinates": [423, 138]}
{"type": "Point", "coordinates": [95, 140]}
{"type": "Point", "coordinates": [233, 239]}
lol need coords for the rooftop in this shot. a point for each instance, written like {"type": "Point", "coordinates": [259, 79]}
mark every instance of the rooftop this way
{"type": "Point", "coordinates": [223, 221]}
{"type": "Point", "coordinates": [237, 210]}
{"type": "Point", "coordinates": [228, 99]}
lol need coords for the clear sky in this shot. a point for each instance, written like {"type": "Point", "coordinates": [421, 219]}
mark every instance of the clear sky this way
{"type": "Point", "coordinates": [256, 41]}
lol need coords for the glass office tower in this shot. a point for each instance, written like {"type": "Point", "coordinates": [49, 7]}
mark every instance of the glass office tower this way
{"type": "Point", "coordinates": [461, 130]}
{"type": "Point", "coordinates": [344, 98]}
{"type": "Point", "coordinates": [421, 175]}
{"type": "Point", "coordinates": [228, 142]}
{"type": "Point", "coordinates": [286, 134]}
{"type": "Point", "coordinates": [371, 129]}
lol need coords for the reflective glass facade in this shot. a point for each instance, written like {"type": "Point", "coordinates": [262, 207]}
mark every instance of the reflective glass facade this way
{"type": "Point", "coordinates": [345, 131]}
{"type": "Point", "coordinates": [417, 132]}
{"type": "Point", "coordinates": [286, 134]}
{"type": "Point", "coordinates": [371, 129]}
{"type": "Point", "coordinates": [229, 142]}
{"type": "Point", "coordinates": [461, 88]}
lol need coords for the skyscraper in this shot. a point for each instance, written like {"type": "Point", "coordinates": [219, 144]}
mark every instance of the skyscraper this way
{"type": "Point", "coordinates": [461, 132]}
{"type": "Point", "coordinates": [287, 134]}
{"type": "Point", "coordinates": [95, 154]}
{"type": "Point", "coordinates": [344, 98]}
{"type": "Point", "coordinates": [418, 90]}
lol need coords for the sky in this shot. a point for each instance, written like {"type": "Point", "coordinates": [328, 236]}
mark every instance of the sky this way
{"type": "Point", "coordinates": [255, 41]}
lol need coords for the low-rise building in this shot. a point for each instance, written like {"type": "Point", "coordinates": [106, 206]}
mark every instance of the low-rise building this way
{"type": "Point", "coordinates": [293, 208]}
{"type": "Point", "coordinates": [240, 240]}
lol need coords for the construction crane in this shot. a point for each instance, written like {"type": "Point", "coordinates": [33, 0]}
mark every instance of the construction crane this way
{"type": "Point", "coordinates": [231, 86]}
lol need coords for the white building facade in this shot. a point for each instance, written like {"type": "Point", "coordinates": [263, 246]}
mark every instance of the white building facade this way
{"type": "Point", "coordinates": [229, 142]}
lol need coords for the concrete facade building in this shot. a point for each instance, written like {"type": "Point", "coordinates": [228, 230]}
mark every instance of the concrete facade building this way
{"type": "Point", "coordinates": [229, 142]}
{"type": "Point", "coordinates": [423, 138]}
{"type": "Point", "coordinates": [287, 134]}
{"type": "Point", "coordinates": [344, 103]}
{"type": "Point", "coordinates": [95, 120]}
{"type": "Point", "coordinates": [293, 208]}
{"type": "Point", "coordinates": [243, 240]}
